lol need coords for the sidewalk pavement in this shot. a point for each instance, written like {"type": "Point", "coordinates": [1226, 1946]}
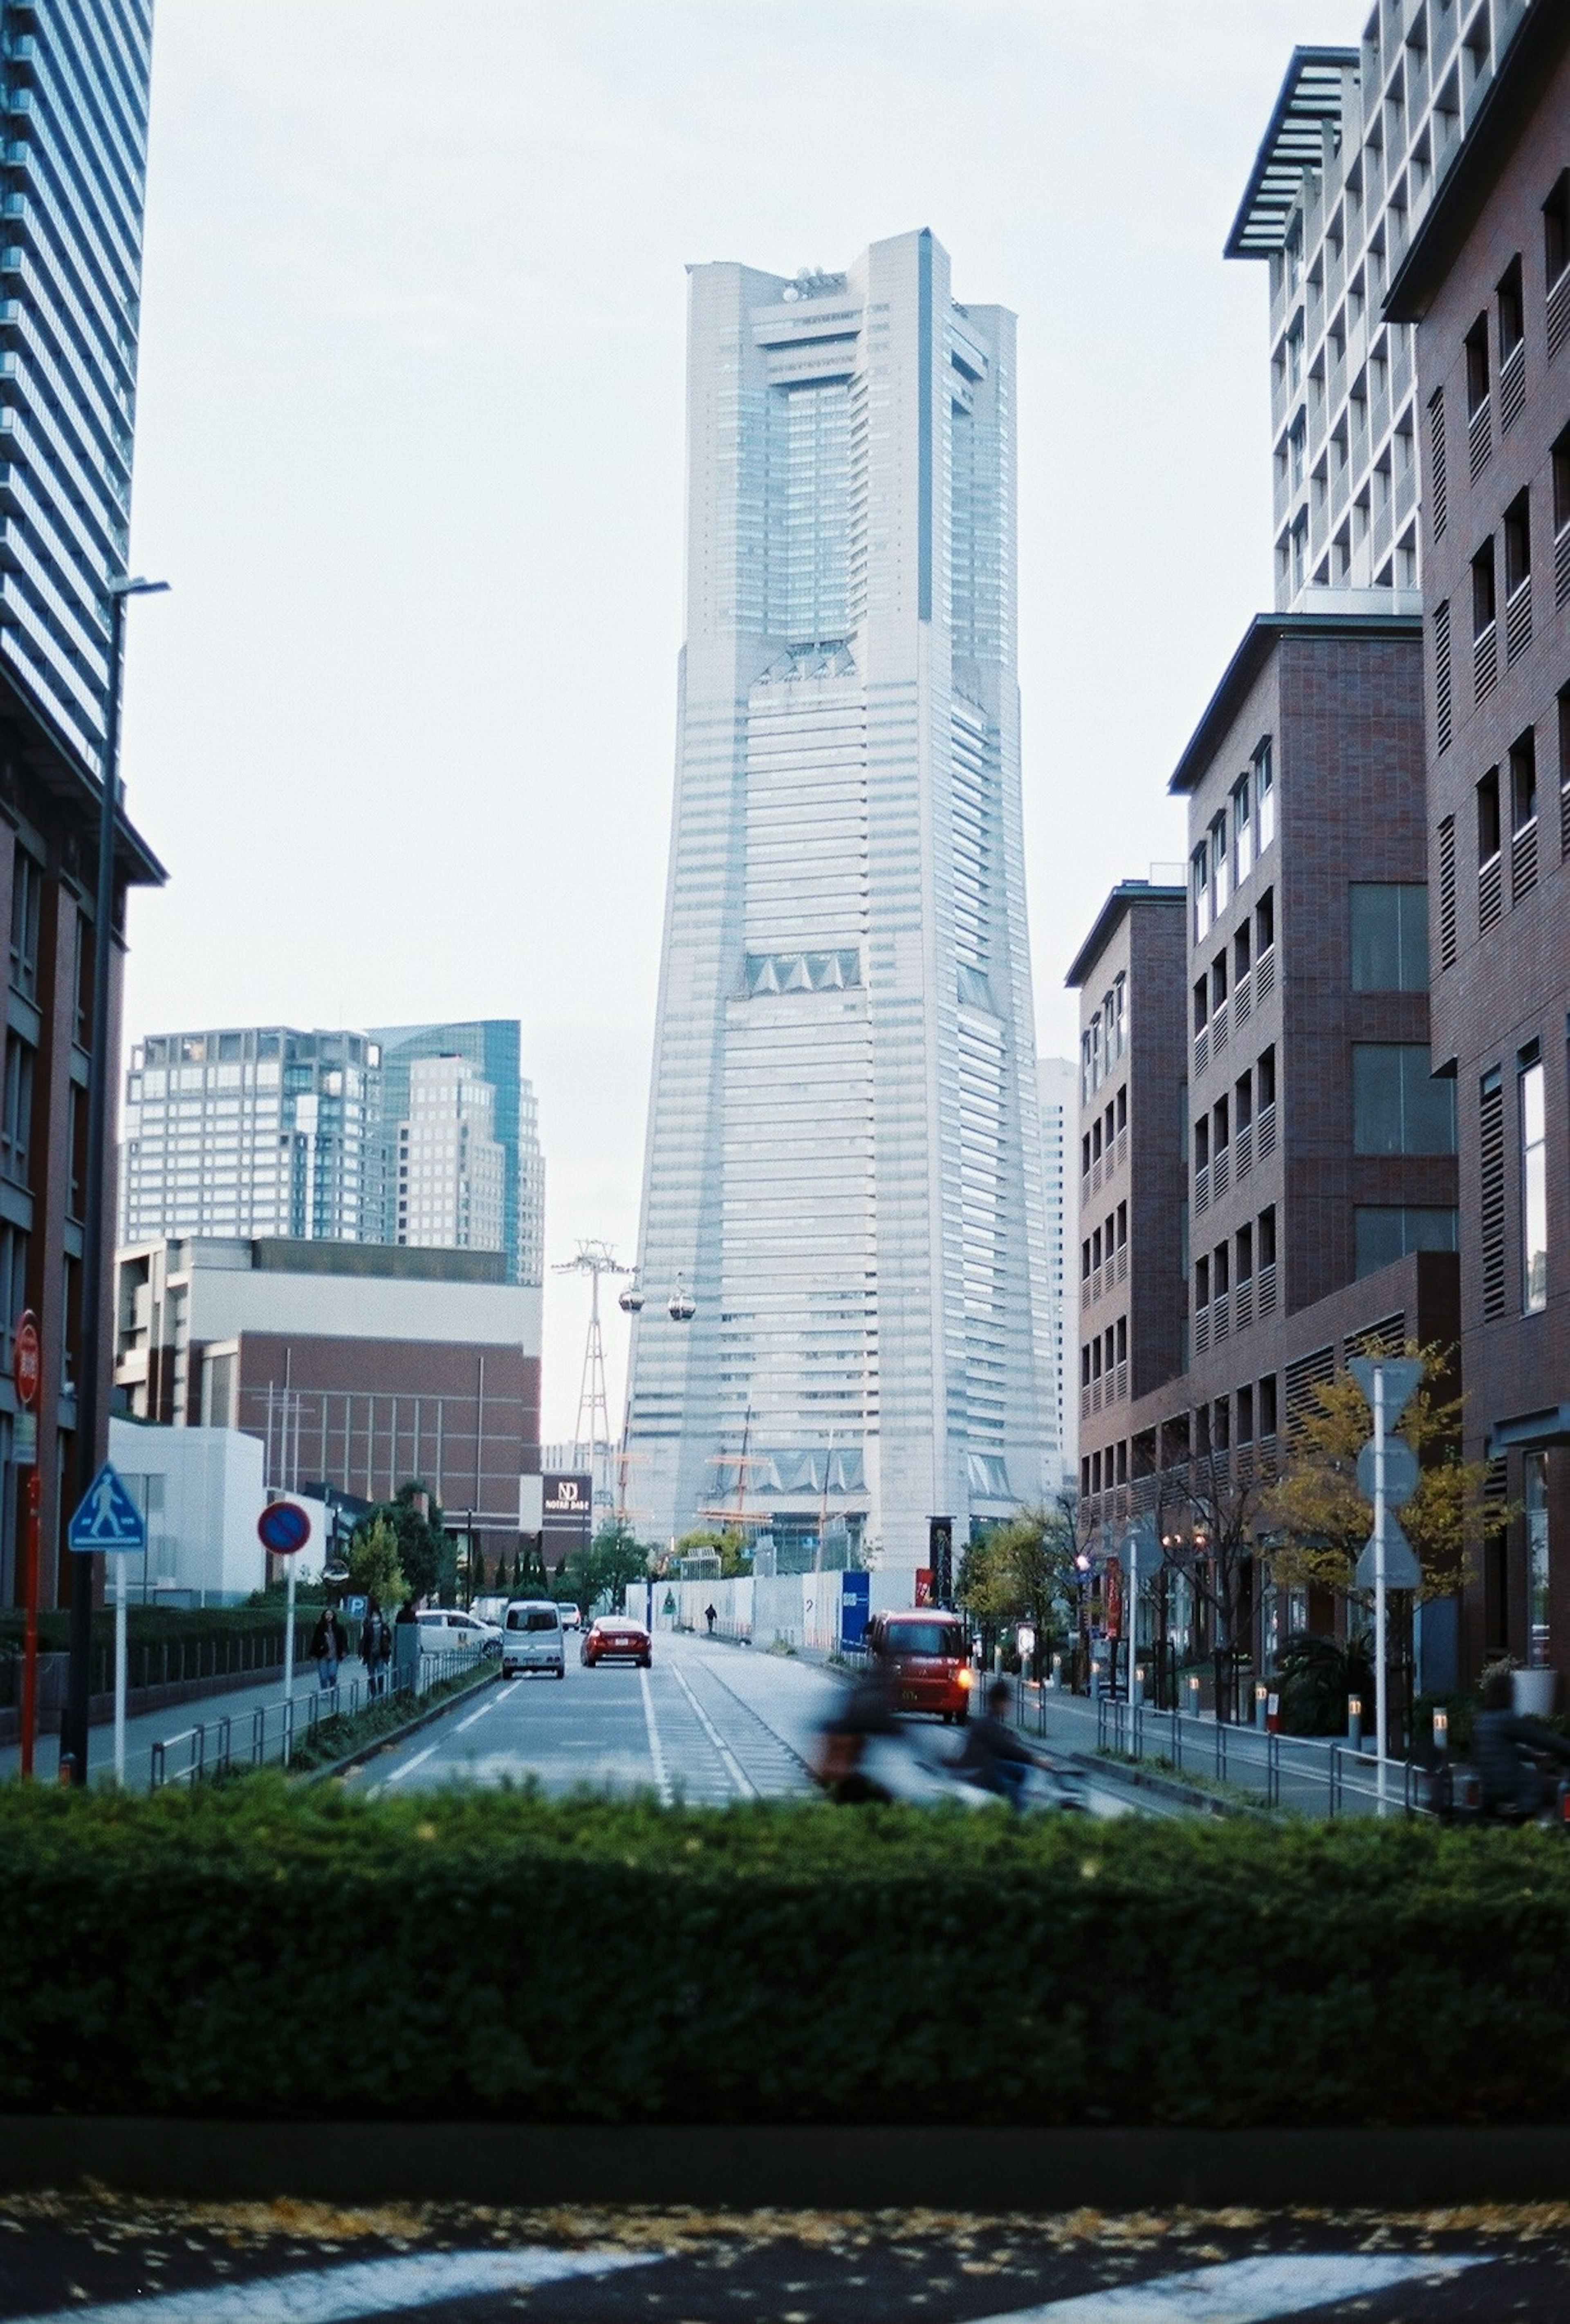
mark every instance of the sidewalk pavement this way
{"type": "Point", "coordinates": [153, 1727]}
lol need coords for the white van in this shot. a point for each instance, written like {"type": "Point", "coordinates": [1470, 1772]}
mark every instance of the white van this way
{"type": "Point", "coordinates": [532, 1638]}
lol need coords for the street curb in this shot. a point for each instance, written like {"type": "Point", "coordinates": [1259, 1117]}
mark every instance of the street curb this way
{"type": "Point", "coordinates": [795, 2166]}
{"type": "Point", "coordinates": [396, 1734]}
{"type": "Point", "coordinates": [1165, 1788]}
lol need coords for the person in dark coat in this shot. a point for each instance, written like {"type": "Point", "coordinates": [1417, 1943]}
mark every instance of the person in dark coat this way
{"type": "Point", "coordinates": [1503, 1749]}
{"type": "Point", "coordinates": [328, 1647]}
{"type": "Point", "coordinates": [376, 1647]}
{"type": "Point", "coordinates": [995, 1758]}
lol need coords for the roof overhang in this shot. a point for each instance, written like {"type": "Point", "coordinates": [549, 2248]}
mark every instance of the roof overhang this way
{"type": "Point", "coordinates": [1293, 141]}
{"type": "Point", "coordinates": [1531, 1432]}
{"type": "Point", "coordinates": [1509, 103]}
{"type": "Point", "coordinates": [1264, 634]}
{"type": "Point", "coordinates": [60, 769]}
{"type": "Point", "coordinates": [1123, 897]}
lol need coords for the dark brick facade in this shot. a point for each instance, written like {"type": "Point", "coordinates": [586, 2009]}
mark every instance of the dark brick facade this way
{"type": "Point", "coordinates": [1488, 282]}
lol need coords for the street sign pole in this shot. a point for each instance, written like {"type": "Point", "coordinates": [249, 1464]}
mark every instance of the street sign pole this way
{"type": "Point", "coordinates": [121, 1658]}
{"type": "Point", "coordinates": [289, 1638]}
{"type": "Point", "coordinates": [26, 1368]}
{"type": "Point", "coordinates": [1382, 1680]}
{"type": "Point", "coordinates": [283, 1528]}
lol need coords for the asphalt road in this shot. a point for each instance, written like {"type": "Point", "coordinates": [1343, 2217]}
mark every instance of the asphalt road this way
{"type": "Point", "coordinates": [709, 1724]}
{"type": "Point", "coordinates": [105, 2261]}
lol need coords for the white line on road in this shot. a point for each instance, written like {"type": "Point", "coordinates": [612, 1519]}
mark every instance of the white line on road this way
{"type": "Point", "coordinates": [728, 1760]}
{"type": "Point", "coordinates": [1244, 2291]}
{"type": "Point", "coordinates": [408, 1766]}
{"type": "Point", "coordinates": [480, 1713]}
{"type": "Point", "coordinates": [372, 2287]}
{"type": "Point", "coordinates": [656, 1754]}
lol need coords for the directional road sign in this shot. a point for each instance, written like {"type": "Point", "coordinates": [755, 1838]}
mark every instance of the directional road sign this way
{"type": "Point", "coordinates": [1402, 1376]}
{"type": "Point", "coordinates": [26, 1361]}
{"type": "Point", "coordinates": [1402, 1571]}
{"type": "Point", "coordinates": [283, 1528]}
{"type": "Point", "coordinates": [1400, 1471]}
{"type": "Point", "coordinates": [109, 1518]}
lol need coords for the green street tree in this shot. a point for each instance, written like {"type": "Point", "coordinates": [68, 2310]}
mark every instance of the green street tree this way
{"type": "Point", "coordinates": [1023, 1571]}
{"type": "Point", "coordinates": [372, 1561]}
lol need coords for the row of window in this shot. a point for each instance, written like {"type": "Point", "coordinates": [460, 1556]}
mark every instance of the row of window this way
{"type": "Point", "coordinates": [1104, 1042]}
{"type": "Point", "coordinates": [1103, 1243]}
{"type": "Point", "coordinates": [1234, 1259]}
{"type": "Point", "coordinates": [1506, 809]}
{"type": "Point", "coordinates": [1234, 1111]}
{"type": "Point", "coordinates": [1250, 944]}
{"type": "Point", "coordinates": [1532, 1175]}
{"type": "Point", "coordinates": [1103, 1352]}
{"type": "Point", "coordinates": [1249, 1415]}
{"type": "Point", "coordinates": [1239, 834]}
{"type": "Point", "coordinates": [1103, 1131]}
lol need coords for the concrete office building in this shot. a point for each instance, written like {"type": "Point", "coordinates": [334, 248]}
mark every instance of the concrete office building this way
{"type": "Point", "coordinates": [1486, 286]}
{"type": "Point", "coordinates": [1057, 1084]}
{"type": "Point", "coordinates": [451, 1171]}
{"type": "Point", "coordinates": [252, 1130]}
{"type": "Point", "coordinates": [1357, 143]}
{"type": "Point", "coordinates": [359, 1366]}
{"type": "Point", "coordinates": [74, 89]}
{"type": "Point", "coordinates": [491, 1047]}
{"type": "Point", "coordinates": [843, 1165]}
{"type": "Point", "coordinates": [200, 1492]}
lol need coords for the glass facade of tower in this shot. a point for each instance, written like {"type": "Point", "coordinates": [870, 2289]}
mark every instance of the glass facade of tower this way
{"type": "Point", "coordinates": [74, 91]}
{"type": "Point", "coordinates": [843, 1162]}
{"type": "Point", "coordinates": [493, 1049]}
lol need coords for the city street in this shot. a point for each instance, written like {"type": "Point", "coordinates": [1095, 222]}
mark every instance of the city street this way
{"type": "Point", "coordinates": [109, 2261]}
{"type": "Point", "coordinates": [709, 1724]}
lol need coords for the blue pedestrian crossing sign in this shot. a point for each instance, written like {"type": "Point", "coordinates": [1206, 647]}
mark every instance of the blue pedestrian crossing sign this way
{"type": "Point", "coordinates": [109, 1518]}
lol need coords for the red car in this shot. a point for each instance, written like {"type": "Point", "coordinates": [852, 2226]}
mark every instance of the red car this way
{"type": "Point", "coordinates": [925, 1659]}
{"type": "Point", "coordinates": [614, 1639]}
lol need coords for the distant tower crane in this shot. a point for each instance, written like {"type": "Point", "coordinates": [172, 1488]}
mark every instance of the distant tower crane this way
{"type": "Point", "coordinates": [592, 1436]}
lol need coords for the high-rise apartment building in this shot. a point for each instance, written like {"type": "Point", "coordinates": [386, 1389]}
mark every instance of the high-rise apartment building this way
{"type": "Point", "coordinates": [1058, 1083]}
{"type": "Point", "coordinates": [451, 1171]}
{"type": "Point", "coordinates": [1486, 287]}
{"type": "Point", "coordinates": [492, 1047]}
{"type": "Point", "coordinates": [249, 1131]}
{"type": "Point", "coordinates": [1358, 142]}
{"type": "Point", "coordinates": [74, 93]}
{"type": "Point", "coordinates": [843, 1167]}
{"type": "Point", "coordinates": [74, 87]}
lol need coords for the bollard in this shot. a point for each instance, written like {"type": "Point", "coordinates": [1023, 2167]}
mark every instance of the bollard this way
{"type": "Point", "coordinates": [1138, 1689]}
{"type": "Point", "coordinates": [1056, 1679]}
{"type": "Point", "coordinates": [1262, 1703]}
{"type": "Point", "coordinates": [1193, 1694]}
{"type": "Point", "coordinates": [1355, 1721]}
{"type": "Point", "coordinates": [1441, 1734]}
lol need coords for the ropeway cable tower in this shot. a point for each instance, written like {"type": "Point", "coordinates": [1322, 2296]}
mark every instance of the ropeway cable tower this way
{"type": "Point", "coordinates": [592, 1445]}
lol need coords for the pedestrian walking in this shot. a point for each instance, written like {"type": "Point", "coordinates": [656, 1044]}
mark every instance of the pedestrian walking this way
{"type": "Point", "coordinates": [327, 1643]}
{"type": "Point", "coordinates": [375, 1648]}
{"type": "Point", "coordinates": [711, 1615]}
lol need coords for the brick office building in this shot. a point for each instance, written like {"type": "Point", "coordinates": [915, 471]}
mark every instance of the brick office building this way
{"type": "Point", "coordinates": [1127, 1288]}
{"type": "Point", "coordinates": [1487, 281]}
{"type": "Point", "coordinates": [1317, 1173]}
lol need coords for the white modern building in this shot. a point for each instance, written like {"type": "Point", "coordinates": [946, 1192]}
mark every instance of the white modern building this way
{"type": "Point", "coordinates": [253, 1130]}
{"type": "Point", "coordinates": [201, 1491]}
{"type": "Point", "coordinates": [451, 1170]}
{"type": "Point", "coordinates": [843, 1167]}
{"type": "Point", "coordinates": [1059, 1081]}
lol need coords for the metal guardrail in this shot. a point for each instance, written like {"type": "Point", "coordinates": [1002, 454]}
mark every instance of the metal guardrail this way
{"type": "Point", "coordinates": [209, 1751]}
{"type": "Point", "coordinates": [1279, 1770]}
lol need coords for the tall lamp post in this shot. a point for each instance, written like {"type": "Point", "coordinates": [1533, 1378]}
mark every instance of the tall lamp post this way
{"type": "Point", "coordinates": [94, 1357]}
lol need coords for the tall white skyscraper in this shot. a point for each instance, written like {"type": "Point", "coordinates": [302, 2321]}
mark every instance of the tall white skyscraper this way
{"type": "Point", "coordinates": [451, 1168]}
{"type": "Point", "coordinates": [844, 1154]}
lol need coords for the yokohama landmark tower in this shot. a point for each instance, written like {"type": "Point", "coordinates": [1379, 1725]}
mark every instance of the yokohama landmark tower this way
{"type": "Point", "coordinates": [844, 1169]}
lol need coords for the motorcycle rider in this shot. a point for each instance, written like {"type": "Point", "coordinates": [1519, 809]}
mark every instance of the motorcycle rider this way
{"type": "Point", "coordinates": [995, 1758]}
{"type": "Point", "coordinates": [1502, 1747]}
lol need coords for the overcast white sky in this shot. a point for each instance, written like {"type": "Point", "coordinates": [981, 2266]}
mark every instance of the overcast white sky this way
{"type": "Point", "coordinates": [410, 449]}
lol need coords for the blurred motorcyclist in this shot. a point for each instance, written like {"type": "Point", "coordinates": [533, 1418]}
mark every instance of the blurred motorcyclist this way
{"type": "Point", "coordinates": [1502, 1747]}
{"type": "Point", "coordinates": [995, 1758]}
{"type": "Point", "coordinates": [866, 1710]}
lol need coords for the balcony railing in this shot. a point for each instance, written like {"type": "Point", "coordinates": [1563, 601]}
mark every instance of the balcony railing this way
{"type": "Point", "coordinates": [1490, 894]}
{"type": "Point", "coordinates": [1265, 1132]}
{"type": "Point", "coordinates": [1524, 860]}
{"type": "Point", "coordinates": [1202, 1038]}
{"type": "Point", "coordinates": [1265, 1289]}
{"type": "Point", "coordinates": [1264, 975]}
{"type": "Point", "coordinates": [1519, 619]}
{"type": "Point", "coordinates": [1202, 1189]}
{"type": "Point", "coordinates": [1485, 662]}
{"type": "Point", "coordinates": [1512, 385]}
{"type": "Point", "coordinates": [1480, 437]}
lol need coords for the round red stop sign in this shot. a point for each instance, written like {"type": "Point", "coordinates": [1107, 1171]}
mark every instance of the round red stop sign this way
{"type": "Point", "coordinates": [26, 1361]}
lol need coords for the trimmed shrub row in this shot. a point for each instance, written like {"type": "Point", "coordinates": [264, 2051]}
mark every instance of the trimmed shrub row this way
{"type": "Point", "coordinates": [184, 1954]}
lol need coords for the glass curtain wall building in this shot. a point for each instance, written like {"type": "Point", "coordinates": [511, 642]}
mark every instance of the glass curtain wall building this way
{"type": "Point", "coordinates": [493, 1046]}
{"type": "Point", "coordinates": [74, 90]}
{"type": "Point", "coordinates": [844, 1157]}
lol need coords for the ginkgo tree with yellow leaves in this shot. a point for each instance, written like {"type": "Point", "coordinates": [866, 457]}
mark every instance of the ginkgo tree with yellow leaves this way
{"type": "Point", "coordinates": [1315, 1520]}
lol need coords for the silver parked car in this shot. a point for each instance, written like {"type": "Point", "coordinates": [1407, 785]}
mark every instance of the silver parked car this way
{"type": "Point", "coordinates": [532, 1638]}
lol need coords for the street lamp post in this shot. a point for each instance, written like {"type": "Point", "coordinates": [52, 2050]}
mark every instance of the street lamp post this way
{"type": "Point", "coordinates": [95, 1358]}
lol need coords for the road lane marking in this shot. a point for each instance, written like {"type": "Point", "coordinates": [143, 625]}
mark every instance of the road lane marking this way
{"type": "Point", "coordinates": [767, 1724]}
{"type": "Point", "coordinates": [1245, 2291]}
{"type": "Point", "coordinates": [728, 1760]}
{"type": "Point", "coordinates": [480, 1713]}
{"type": "Point", "coordinates": [408, 1766]}
{"type": "Point", "coordinates": [656, 1754]}
{"type": "Point", "coordinates": [372, 2287]}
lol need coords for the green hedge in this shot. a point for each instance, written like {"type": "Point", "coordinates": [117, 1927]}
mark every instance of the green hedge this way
{"type": "Point", "coordinates": [487, 1954]}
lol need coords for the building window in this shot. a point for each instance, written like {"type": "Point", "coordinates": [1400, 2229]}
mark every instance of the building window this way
{"type": "Point", "coordinates": [1243, 830]}
{"type": "Point", "coordinates": [1444, 700]}
{"type": "Point", "coordinates": [1534, 1497]}
{"type": "Point", "coordinates": [1512, 323]}
{"type": "Point", "coordinates": [1438, 495]}
{"type": "Point", "coordinates": [1396, 1105]}
{"type": "Point", "coordinates": [1491, 1190]}
{"type": "Point", "coordinates": [1245, 1416]}
{"type": "Point", "coordinates": [1557, 231]}
{"type": "Point", "coordinates": [1489, 878]}
{"type": "Point", "coordinates": [1267, 1406]}
{"type": "Point", "coordinates": [1218, 861]}
{"type": "Point", "coordinates": [1264, 797]}
{"type": "Point", "coordinates": [16, 1110]}
{"type": "Point", "coordinates": [1560, 471]}
{"type": "Point", "coordinates": [1239, 953]}
{"type": "Point", "coordinates": [1265, 922]}
{"type": "Point", "coordinates": [1199, 877]}
{"type": "Point", "coordinates": [1201, 1284]}
{"type": "Point", "coordinates": [1517, 576]}
{"type": "Point", "coordinates": [1476, 345]}
{"type": "Point", "coordinates": [1385, 1233]}
{"type": "Point", "coordinates": [1265, 1073]}
{"type": "Point", "coordinates": [1523, 815]}
{"type": "Point", "coordinates": [1390, 936]}
{"type": "Point", "coordinates": [26, 907]}
{"type": "Point", "coordinates": [1534, 1187]}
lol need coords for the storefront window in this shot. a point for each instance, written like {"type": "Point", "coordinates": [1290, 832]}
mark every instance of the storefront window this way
{"type": "Point", "coordinates": [1536, 1496]}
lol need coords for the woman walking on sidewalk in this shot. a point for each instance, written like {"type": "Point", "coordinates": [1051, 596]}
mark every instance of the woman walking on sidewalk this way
{"type": "Point", "coordinates": [375, 1646]}
{"type": "Point", "coordinates": [327, 1643]}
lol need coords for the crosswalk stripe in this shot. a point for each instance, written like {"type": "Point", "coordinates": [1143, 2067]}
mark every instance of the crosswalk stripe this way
{"type": "Point", "coordinates": [364, 2288]}
{"type": "Point", "coordinates": [1245, 2291]}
